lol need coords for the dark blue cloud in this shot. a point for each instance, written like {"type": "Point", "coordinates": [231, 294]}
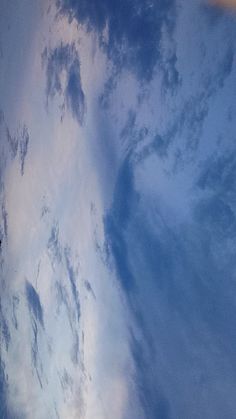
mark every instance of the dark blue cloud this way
{"type": "Point", "coordinates": [226, 66]}
{"type": "Point", "coordinates": [1, 240]}
{"type": "Point", "coordinates": [117, 220]}
{"type": "Point", "coordinates": [18, 144]}
{"type": "Point", "coordinates": [219, 174]}
{"type": "Point", "coordinates": [158, 145]}
{"type": "Point", "coordinates": [72, 275]}
{"type": "Point", "coordinates": [4, 329]}
{"type": "Point", "coordinates": [36, 317]}
{"type": "Point", "coordinates": [23, 143]}
{"type": "Point", "coordinates": [1, 116]}
{"type": "Point", "coordinates": [65, 58]}
{"type": "Point", "coordinates": [220, 70]}
{"type": "Point", "coordinates": [35, 352]}
{"type": "Point", "coordinates": [75, 94]}
{"type": "Point", "coordinates": [53, 245]}
{"type": "Point", "coordinates": [45, 210]}
{"type": "Point", "coordinates": [75, 348]}
{"type": "Point", "coordinates": [4, 217]}
{"type": "Point", "coordinates": [217, 216]}
{"type": "Point", "coordinates": [89, 288]}
{"type": "Point", "coordinates": [63, 298]}
{"type": "Point", "coordinates": [171, 76]}
{"type": "Point", "coordinates": [181, 296]}
{"type": "Point", "coordinates": [34, 346]}
{"type": "Point", "coordinates": [109, 87]}
{"type": "Point", "coordinates": [34, 302]}
{"type": "Point", "coordinates": [134, 28]}
{"type": "Point", "coordinates": [189, 120]}
{"type": "Point", "coordinates": [15, 303]}
{"type": "Point", "coordinates": [154, 403]}
{"type": "Point", "coordinates": [216, 209]}
{"type": "Point", "coordinates": [12, 142]}
{"type": "Point", "coordinates": [186, 123]}
{"type": "Point", "coordinates": [72, 278]}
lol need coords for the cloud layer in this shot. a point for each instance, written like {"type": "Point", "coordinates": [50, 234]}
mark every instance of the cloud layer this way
{"type": "Point", "coordinates": [117, 216]}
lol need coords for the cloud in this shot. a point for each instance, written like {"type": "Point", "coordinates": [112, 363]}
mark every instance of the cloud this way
{"type": "Point", "coordinates": [129, 31]}
{"type": "Point", "coordinates": [74, 94]}
{"type": "Point", "coordinates": [154, 403]}
{"type": "Point", "coordinates": [34, 303]}
{"type": "Point", "coordinates": [13, 143]}
{"type": "Point", "coordinates": [219, 175]}
{"type": "Point", "coordinates": [15, 304]}
{"type": "Point", "coordinates": [23, 143]}
{"type": "Point", "coordinates": [73, 279]}
{"type": "Point", "coordinates": [5, 220]}
{"type": "Point", "coordinates": [35, 351]}
{"type": "Point", "coordinates": [216, 207]}
{"type": "Point", "coordinates": [63, 298]}
{"type": "Point", "coordinates": [117, 220]}
{"type": "Point", "coordinates": [1, 116]}
{"type": "Point", "coordinates": [172, 277]}
{"type": "Point", "coordinates": [18, 144]}
{"type": "Point", "coordinates": [174, 273]}
{"type": "Point", "coordinates": [4, 329]}
{"type": "Point", "coordinates": [54, 246]}
{"type": "Point", "coordinates": [65, 59]}
{"type": "Point", "coordinates": [89, 288]}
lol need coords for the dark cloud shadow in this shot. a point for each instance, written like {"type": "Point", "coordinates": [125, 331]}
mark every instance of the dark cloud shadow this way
{"type": "Point", "coordinates": [133, 28]}
{"type": "Point", "coordinates": [181, 295]}
{"type": "Point", "coordinates": [34, 302]}
{"type": "Point", "coordinates": [65, 59]}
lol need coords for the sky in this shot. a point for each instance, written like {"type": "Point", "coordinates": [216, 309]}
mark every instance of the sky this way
{"type": "Point", "coordinates": [117, 209]}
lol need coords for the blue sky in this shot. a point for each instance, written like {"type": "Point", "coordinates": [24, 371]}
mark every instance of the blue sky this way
{"type": "Point", "coordinates": [118, 210]}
